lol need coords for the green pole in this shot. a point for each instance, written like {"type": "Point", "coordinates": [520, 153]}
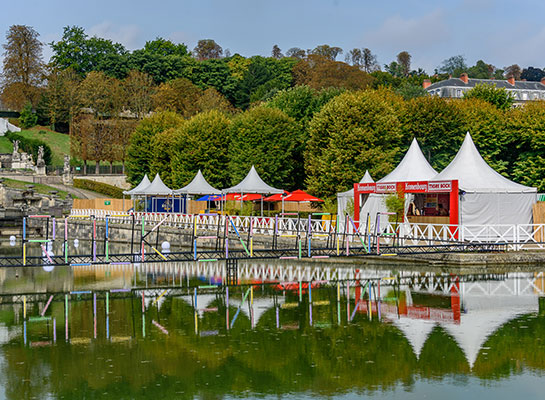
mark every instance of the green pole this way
{"type": "Point", "coordinates": [107, 303]}
{"type": "Point", "coordinates": [299, 248]}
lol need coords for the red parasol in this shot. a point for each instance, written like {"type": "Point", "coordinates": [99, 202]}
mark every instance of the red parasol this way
{"type": "Point", "coordinates": [300, 195]}
{"type": "Point", "coordinates": [276, 197]}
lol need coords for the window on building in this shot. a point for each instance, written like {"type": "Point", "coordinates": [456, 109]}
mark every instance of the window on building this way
{"type": "Point", "coordinates": [524, 95]}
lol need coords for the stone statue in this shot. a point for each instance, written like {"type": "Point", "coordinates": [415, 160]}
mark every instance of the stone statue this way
{"type": "Point", "coordinates": [66, 169]}
{"type": "Point", "coordinates": [16, 156]}
{"type": "Point", "coordinates": [40, 162]}
{"type": "Point", "coordinates": [24, 158]}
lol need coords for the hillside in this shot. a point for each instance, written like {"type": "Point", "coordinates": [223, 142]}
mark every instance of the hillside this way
{"type": "Point", "coordinates": [59, 142]}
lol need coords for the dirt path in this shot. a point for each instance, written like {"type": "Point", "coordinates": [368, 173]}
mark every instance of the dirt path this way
{"type": "Point", "coordinates": [79, 193]}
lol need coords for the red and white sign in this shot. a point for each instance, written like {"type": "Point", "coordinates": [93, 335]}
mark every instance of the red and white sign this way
{"type": "Point", "coordinates": [443, 187]}
{"type": "Point", "coordinates": [386, 187]}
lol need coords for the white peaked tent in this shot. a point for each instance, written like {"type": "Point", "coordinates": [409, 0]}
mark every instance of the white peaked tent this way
{"type": "Point", "coordinates": [144, 183]}
{"type": "Point", "coordinates": [252, 183]}
{"type": "Point", "coordinates": [5, 127]}
{"type": "Point", "coordinates": [413, 167]}
{"type": "Point", "coordinates": [416, 331]}
{"type": "Point", "coordinates": [156, 188]}
{"type": "Point", "coordinates": [344, 197]}
{"type": "Point", "coordinates": [198, 185]}
{"type": "Point", "coordinates": [489, 197]}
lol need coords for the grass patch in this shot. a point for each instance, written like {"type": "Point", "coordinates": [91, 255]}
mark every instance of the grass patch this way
{"type": "Point", "coordinates": [38, 187]}
{"type": "Point", "coordinates": [59, 142]}
{"type": "Point", "coordinates": [5, 145]}
{"type": "Point", "coordinates": [99, 187]}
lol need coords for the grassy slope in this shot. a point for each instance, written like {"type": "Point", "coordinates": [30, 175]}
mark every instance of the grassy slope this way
{"type": "Point", "coordinates": [5, 145]}
{"type": "Point", "coordinates": [59, 142]}
{"type": "Point", "coordinates": [38, 187]}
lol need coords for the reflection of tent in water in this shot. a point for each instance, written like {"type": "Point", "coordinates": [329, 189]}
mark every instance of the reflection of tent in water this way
{"type": "Point", "coordinates": [416, 331]}
{"type": "Point", "coordinates": [486, 316]}
{"type": "Point", "coordinates": [260, 307]}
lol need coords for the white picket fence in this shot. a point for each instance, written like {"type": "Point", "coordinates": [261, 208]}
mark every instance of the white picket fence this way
{"type": "Point", "coordinates": [518, 237]}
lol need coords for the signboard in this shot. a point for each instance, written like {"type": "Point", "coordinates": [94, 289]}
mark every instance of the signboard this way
{"type": "Point", "coordinates": [107, 202]}
{"type": "Point", "coordinates": [407, 187]}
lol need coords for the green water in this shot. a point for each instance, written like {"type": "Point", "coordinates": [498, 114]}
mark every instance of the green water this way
{"type": "Point", "coordinates": [484, 339]}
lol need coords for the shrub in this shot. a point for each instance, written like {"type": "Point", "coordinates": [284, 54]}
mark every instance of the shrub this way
{"type": "Point", "coordinates": [31, 146]}
{"type": "Point", "coordinates": [28, 118]}
{"type": "Point", "coordinates": [108, 190]}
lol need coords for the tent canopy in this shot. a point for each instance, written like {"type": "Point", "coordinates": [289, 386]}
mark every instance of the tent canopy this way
{"type": "Point", "coordinates": [198, 185]}
{"type": "Point", "coordinates": [475, 175]}
{"type": "Point", "coordinates": [413, 167]}
{"type": "Point", "coordinates": [300, 195]}
{"type": "Point", "coordinates": [366, 179]}
{"type": "Point", "coordinates": [6, 126]}
{"type": "Point", "coordinates": [156, 188]}
{"type": "Point", "coordinates": [252, 183]}
{"type": "Point", "coordinates": [144, 183]}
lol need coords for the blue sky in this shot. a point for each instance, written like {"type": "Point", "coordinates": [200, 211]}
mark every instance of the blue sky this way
{"type": "Point", "coordinates": [500, 32]}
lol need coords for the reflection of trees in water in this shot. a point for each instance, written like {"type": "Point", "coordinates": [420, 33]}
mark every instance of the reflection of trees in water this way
{"type": "Point", "coordinates": [362, 357]}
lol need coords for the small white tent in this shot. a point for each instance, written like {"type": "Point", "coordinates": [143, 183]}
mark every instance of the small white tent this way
{"type": "Point", "coordinates": [413, 167]}
{"type": "Point", "coordinates": [343, 198]}
{"type": "Point", "coordinates": [6, 126]}
{"type": "Point", "coordinates": [252, 183]}
{"type": "Point", "coordinates": [156, 188]}
{"type": "Point", "coordinates": [198, 185]}
{"type": "Point", "coordinates": [144, 183]}
{"type": "Point", "coordinates": [488, 198]}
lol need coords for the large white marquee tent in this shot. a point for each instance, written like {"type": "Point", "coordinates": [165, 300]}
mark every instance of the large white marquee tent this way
{"type": "Point", "coordinates": [487, 198]}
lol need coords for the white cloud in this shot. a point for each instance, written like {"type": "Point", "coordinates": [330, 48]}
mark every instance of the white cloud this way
{"type": "Point", "coordinates": [419, 33]}
{"type": "Point", "coordinates": [127, 35]}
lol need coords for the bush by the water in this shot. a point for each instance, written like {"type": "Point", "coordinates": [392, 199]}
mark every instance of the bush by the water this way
{"type": "Point", "coordinates": [109, 190]}
{"type": "Point", "coordinates": [31, 146]}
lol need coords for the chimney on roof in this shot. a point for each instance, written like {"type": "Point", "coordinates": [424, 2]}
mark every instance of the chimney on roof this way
{"type": "Point", "coordinates": [427, 83]}
{"type": "Point", "coordinates": [543, 80]}
{"type": "Point", "coordinates": [464, 78]}
{"type": "Point", "coordinates": [511, 80]}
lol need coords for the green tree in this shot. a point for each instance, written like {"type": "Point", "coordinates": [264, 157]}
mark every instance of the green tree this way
{"type": "Point", "coordinates": [140, 150]}
{"type": "Point", "coordinates": [28, 117]}
{"type": "Point", "coordinates": [165, 47]}
{"type": "Point", "coordinates": [488, 126]}
{"type": "Point", "coordinates": [499, 97]}
{"type": "Point", "coordinates": [527, 125]}
{"type": "Point", "coordinates": [410, 90]}
{"type": "Point", "coordinates": [179, 95]}
{"type": "Point", "coordinates": [83, 54]}
{"type": "Point", "coordinates": [264, 137]}
{"type": "Point", "coordinates": [481, 70]}
{"type": "Point", "coordinates": [404, 62]}
{"type": "Point", "coordinates": [355, 131]}
{"type": "Point", "coordinates": [455, 66]}
{"type": "Point", "coordinates": [438, 125]}
{"type": "Point", "coordinates": [202, 143]}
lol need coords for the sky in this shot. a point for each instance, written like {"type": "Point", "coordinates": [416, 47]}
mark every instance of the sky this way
{"type": "Point", "coordinates": [501, 33]}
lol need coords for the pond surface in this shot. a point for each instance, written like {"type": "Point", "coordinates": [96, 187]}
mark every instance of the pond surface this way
{"type": "Point", "coordinates": [139, 332]}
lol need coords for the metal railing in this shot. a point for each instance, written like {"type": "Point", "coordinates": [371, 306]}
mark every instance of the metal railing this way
{"type": "Point", "coordinates": [517, 237]}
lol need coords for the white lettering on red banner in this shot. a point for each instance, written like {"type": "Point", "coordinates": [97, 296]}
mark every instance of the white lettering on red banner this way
{"type": "Point", "coordinates": [366, 187]}
{"type": "Point", "coordinates": [440, 186]}
{"type": "Point", "coordinates": [386, 187]}
{"type": "Point", "coordinates": [416, 187]}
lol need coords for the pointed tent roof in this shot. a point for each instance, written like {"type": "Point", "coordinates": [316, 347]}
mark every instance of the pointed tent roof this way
{"type": "Point", "coordinates": [144, 183]}
{"type": "Point", "coordinates": [252, 184]}
{"type": "Point", "coordinates": [413, 167]}
{"type": "Point", "coordinates": [366, 179]}
{"type": "Point", "coordinates": [475, 175]}
{"type": "Point", "coordinates": [198, 185]}
{"type": "Point", "coordinates": [157, 187]}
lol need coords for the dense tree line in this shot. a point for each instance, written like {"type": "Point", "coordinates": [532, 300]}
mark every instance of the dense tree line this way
{"type": "Point", "coordinates": [323, 140]}
{"type": "Point", "coordinates": [304, 118]}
